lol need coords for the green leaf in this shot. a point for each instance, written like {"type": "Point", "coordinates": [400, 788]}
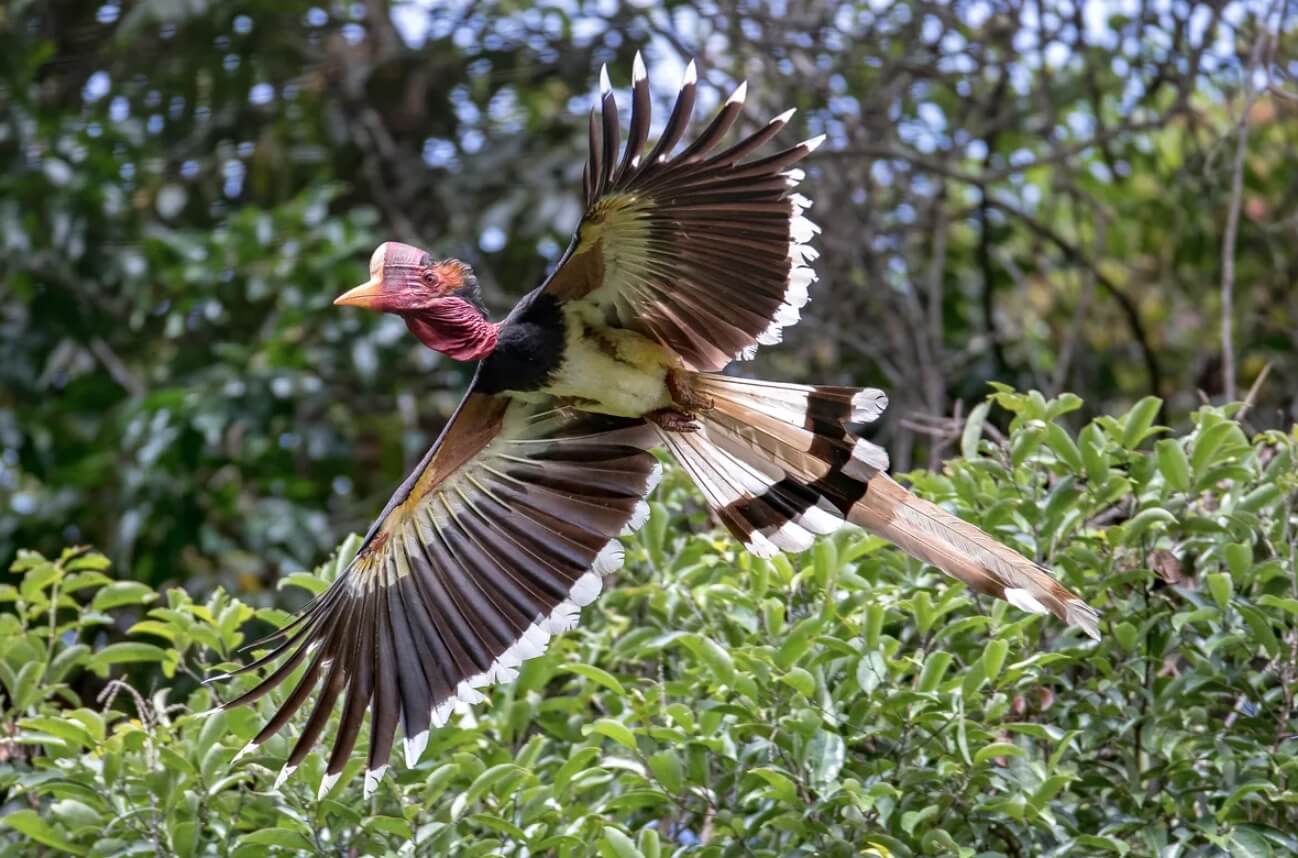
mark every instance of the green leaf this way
{"type": "Point", "coordinates": [620, 846]}
{"type": "Point", "coordinates": [781, 785]}
{"type": "Point", "coordinates": [615, 730]}
{"type": "Point", "coordinates": [648, 843]}
{"type": "Point", "coordinates": [91, 561]}
{"type": "Point", "coordinates": [713, 655]}
{"type": "Point", "coordinates": [124, 653]}
{"type": "Point", "coordinates": [390, 825]}
{"type": "Point", "coordinates": [1247, 843]}
{"type": "Point", "coordinates": [1094, 455]}
{"type": "Point", "coordinates": [1240, 793]}
{"type": "Point", "coordinates": [1173, 464]}
{"type": "Point", "coordinates": [1259, 624]}
{"type": "Point", "coordinates": [1136, 425]}
{"type": "Point", "coordinates": [580, 759]}
{"type": "Point", "coordinates": [666, 767]}
{"type": "Point", "coordinates": [871, 670]}
{"type": "Point", "coordinates": [802, 681]}
{"type": "Point", "coordinates": [284, 838]}
{"type": "Point", "coordinates": [913, 818]}
{"type": "Point", "coordinates": [70, 731]}
{"type": "Point", "coordinates": [1239, 557]}
{"type": "Point", "coordinates": [993, 658]}
{"type": "Point", "coordinates": [1284, 603]}
{"type": "Point", "coordinates": [120, 593]}
{"type": "Point", "coordinates": [1206, 444]}
{"type": "Point", "coordinates": [312, 583]}
{"type": "Point", "coordinates": [798, 641]}
{"type": "Point", "coordinates": [29, 823]}
{"type": "Point", "coordinates": [1143, 521]}
{"type": "Point", "coordinates": [1127, 634]}
{"type": "Point", "coordinates": [1221, 587]}
{"type": "Point", "coordinates": [934, 669]}
{"type": "Point", "coordinates": [825, 754]}
{"type": "Point", "coordinates": [597, 675]}
{"type": "Point", "coordinates": [1061, 443]}
{"type": "Point", "coordinates": [973, 430]}
{"type": "Point", "coordinates": [996, 749]}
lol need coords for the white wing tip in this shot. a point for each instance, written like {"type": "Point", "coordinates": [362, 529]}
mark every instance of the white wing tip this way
{"type": "Point", "coordinates": [609, 559]}
{"type": "Point", "coordinates": [638, 517]}
{"type": "Point", "coordinates": [814, 143]}
{"type": "Point", "coordinates": [605, 86]}
{"type": "Point", "coordinates": [415, 748]}
{"type": "Point", "coordinates": [563, 618]}
{"type": "Point", "coordinates": [655, 477]}
{"type": "Point", "coordinates": [585, 590]}
{"type": "Point", "coordinates": [759, 546]}
{"type": "Point", "coordinates": [1024, 600]}
{"type": "Point", "coordinates": [326, 784]}
{"type": "Point", "coordinates": [637, 69]}
{"type": "Point", "coordinates": [691, 75]}
{"type": "Point", "coordinates": [784, 117]}
{"type": "Point", "coordinates": [792, 537]}
{"type": "Point", "coordinates": [740, 93]}
{"type": "Point", "coordinates": [867, 405]}
{"type": "Point", "coordinates": [372, 778]}
{"type": "Point", "coordinates": [284, 774]}
{"type": "Point", "coordinates": [243, 752]}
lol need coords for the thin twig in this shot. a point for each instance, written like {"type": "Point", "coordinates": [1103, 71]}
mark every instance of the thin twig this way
{"type": "Point", "coordinates": [1232, 213]}
{"type": "Point", "coordinates": [1252, 392]}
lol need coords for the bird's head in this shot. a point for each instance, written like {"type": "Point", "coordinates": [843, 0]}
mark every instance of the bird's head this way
{"type": "Point", "coordinates": [437, 298]}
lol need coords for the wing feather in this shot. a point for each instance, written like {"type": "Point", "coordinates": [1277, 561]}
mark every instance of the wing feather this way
{"type": "Point", "coordinates": [671, 244]}
{"type": "Point", "coordinates": [485, 551]}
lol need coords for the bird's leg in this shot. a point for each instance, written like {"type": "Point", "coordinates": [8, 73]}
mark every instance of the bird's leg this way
{"type": "Point", "coordinates": [688, 404]}
{"type": "Point", "coordinates": [684, 395]}
{"type": "Point", "coordinates": [671, 420]}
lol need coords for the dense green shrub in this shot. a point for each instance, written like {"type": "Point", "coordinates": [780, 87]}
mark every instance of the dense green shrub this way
{"type": "Point", "coordinates": [846, 701]}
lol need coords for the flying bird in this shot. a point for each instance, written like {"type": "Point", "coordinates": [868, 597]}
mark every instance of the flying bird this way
{"type": "Point", "coordinates": [687, 258]}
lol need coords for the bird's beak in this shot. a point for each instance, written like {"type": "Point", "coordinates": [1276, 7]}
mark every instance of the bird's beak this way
{"type": "Point", "coordinates": [364, 295]}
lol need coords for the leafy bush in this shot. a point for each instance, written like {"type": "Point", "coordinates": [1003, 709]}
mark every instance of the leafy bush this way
{"type": "Point", "coordinates": [847, 701]}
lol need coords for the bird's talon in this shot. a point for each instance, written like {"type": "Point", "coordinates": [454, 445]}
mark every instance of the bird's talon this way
{"type": "Point", "coordinates": [671, 420]}
{"type": "Point", "coordinates": [684, 395]}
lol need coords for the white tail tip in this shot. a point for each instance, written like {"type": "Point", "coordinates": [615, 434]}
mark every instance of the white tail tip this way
{"type": "Point", "coordinates": [372, 778]}
{"type": "Point", "coordinates": [637, 69]}
{"type": "Point", "coordinates": [326, 784]}
{"type": "Point", "coordinates": [1084, 617]}
{"type": "Point", "coordinates": [415, 748]}
{"type": "Point", "coordinates": [691, 74]}
{"type": "Point", "coordinates": [605, 87]}
{"type": "Point", "coordinates": [740, 93]}
{"type": "Point", "coordinates": [243, 752]}
{"type": "Point", "coordinates": [284, 774]}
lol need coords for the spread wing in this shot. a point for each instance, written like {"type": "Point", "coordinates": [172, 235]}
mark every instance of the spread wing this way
{"type": "Point", "coordinates": [705, 252]}
{"type": "Point", "coordinates": [491, 546]}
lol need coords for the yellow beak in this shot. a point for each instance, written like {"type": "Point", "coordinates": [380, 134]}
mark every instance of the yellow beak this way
{"type": "Point", "coordinates": [363, 295]}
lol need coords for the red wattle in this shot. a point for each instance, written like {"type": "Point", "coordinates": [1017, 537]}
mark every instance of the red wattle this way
{"type": "Point", "coordinates": [455, 328]}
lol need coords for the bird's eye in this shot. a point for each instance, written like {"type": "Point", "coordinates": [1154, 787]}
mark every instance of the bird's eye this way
{"type": "Point", "coordinates": [429, 277]}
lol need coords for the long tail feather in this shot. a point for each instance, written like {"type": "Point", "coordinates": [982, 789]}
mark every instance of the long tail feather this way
{"type": "Point", "coordinates": [782, 462]}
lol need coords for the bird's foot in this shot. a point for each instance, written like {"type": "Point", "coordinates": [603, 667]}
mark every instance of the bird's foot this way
{"type": "Point", "coordinates": [684, 395]}
{"type": "Point", "coordinates": [671, 420]}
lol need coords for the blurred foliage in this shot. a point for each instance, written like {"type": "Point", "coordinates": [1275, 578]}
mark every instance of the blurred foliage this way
{"type": "Point", "coordinates": [847, 701]}
{"type": "Point", "coordinates": [1029, 193]}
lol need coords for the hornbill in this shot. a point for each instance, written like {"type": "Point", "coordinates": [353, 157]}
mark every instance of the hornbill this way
{"type": "Point", "coordinates": [683, 262]}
